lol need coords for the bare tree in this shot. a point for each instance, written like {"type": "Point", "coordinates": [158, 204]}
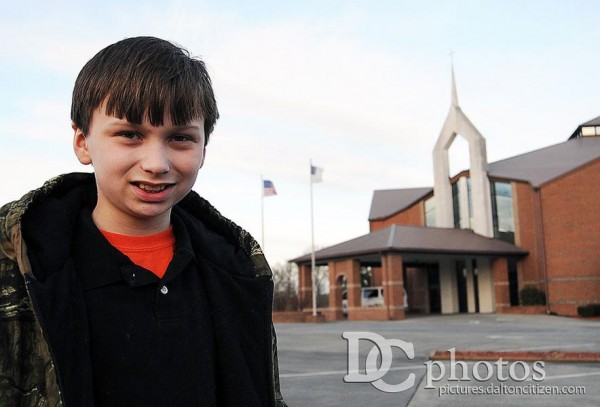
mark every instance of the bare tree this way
{"type": "Point", "coordinates": [322, 284]}
{"type": "Point", "coordinates": [285, 278]}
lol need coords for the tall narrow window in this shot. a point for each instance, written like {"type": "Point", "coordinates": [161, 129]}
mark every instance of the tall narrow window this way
{"type": "Point", "coordinates": [469, 195]}
{"type": "Point", "coordinates": [502, 211]}
{"type": "Point", "coordinates": [430, 212]}
{"type": "Point", "coordinates": [456, 205]}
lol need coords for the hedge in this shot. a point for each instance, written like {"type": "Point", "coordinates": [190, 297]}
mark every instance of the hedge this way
{"type": "Point", "coordinates": [532, 296]}
{"type": "Point", "coordinates": [589, 310]}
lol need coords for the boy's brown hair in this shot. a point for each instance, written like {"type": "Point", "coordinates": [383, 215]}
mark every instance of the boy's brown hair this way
{"type": "Point", "coordinates": [145, 77]}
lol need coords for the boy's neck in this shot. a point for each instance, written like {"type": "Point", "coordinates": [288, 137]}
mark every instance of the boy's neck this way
{"type": "Point", "coordinates": [128, 226]}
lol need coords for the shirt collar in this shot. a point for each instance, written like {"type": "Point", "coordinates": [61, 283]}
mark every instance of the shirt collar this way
{"type": "Point", "coordinates": [98, 263]}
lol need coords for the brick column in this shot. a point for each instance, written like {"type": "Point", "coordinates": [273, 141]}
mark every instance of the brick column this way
{"type": "Point", "coordinates": [351, 269]}
{"type": "Point", "coordinates": [377, 277]}
{"type": "Point", "coordinates": [501, 288]}
{"type": "Point", "coordinates": [305, 286]}
{"type": "Point", "coordinates": [335, 293]}
{"type": "Point", "coordinates": [393, 286]}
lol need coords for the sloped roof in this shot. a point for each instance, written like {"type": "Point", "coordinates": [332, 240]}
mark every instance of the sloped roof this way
{"type": "Point", "coordinates": [536, 167]}
{"type": "Point", "coordinates": [387, 202]}
{"type": "Point", "coordinates": [541, 166]}
{"type": "Point", "coordinates": [593, 122]}
{"type": "Point", "coordinates": [415, 239]}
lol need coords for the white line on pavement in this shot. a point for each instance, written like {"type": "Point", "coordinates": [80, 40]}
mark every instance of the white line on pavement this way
{"type": "Point", "coordinates": [569, 376]}
{"type": "Point", "coordinates": [338, 372]}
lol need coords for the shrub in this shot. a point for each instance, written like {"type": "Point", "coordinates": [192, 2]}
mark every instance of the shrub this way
{"type": "Point", "coordinates": [532, 296]}
{"type": "Point", "coordinates": [589, 310]}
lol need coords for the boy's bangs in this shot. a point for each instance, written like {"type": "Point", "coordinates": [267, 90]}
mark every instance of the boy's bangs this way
{"type": "Point", "coordinates": [145, 78]}
{"type": "Point", "coordinates": [154, 98]}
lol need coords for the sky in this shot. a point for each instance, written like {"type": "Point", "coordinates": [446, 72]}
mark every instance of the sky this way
{"type": "Point", "coordinates": [361, 88]}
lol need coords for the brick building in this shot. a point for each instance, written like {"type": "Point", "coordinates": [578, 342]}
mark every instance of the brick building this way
{"type": "Point", "coordinates": [474, 240]}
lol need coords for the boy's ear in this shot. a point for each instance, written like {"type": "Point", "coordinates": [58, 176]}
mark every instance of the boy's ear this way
{"type": "Point", "coordinates": [80, 146]}
{"type": "Point", "coordinates": [203, 157]}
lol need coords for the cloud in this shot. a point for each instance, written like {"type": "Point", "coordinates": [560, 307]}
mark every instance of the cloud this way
{"type": "Point", "coordinates": [305, 74]}
{"type": "Point", "coordinates": [363, 90]}
{"type": "Point", "coordinates": [45, 120]}
{"type": "Point", "coordinates": [19, 175]}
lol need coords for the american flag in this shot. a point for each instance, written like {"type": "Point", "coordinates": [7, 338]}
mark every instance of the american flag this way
{"type": "Point", "coordinates": [268, 188]}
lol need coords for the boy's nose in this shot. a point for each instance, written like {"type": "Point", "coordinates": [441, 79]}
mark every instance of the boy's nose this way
{"type": "Point", "coordinates": [155, 159]}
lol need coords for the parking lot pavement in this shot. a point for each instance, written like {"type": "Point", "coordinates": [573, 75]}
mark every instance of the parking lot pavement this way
{"type": "Point", "coordinates": [565, 384]}
{"type": "Point", "coordinates": [313, 361]}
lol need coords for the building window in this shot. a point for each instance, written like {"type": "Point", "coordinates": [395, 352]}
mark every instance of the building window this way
{"type": "Point", "coordinates": [430, 212]}
{"type": "Point", "coordinates": [469, 196]}
{"type": "Point", "coordinates": [502, 211]}
{"type": "Point", "coordinates": [461, 204]}
{"type": "Point", "coordinates": [590, 131]}
{"type": "Point", "coordinates": [586, 131]}
{"type": "Point", "coordinates": [456, 205]}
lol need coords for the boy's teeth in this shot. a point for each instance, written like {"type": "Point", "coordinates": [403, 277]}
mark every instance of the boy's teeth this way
{"type": "Point", "coordinates": [150, 188]}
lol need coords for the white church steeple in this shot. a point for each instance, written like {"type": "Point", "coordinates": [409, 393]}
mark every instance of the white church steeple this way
{"type": "Point", "coordinates": [454, 93]}
{"type": "Point", "coordinates": [457, 123]}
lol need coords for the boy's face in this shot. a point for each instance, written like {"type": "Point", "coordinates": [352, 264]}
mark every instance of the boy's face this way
{"type": "Point", "coordinates": [142, 171]}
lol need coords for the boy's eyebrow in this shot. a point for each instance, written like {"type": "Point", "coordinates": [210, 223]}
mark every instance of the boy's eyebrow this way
{"type": "Point", "coordinates": [116, 121]}
{"type": "Point", "coordinates": [124, 122]}
{"type": "Point", "coordinates": [187, 126]}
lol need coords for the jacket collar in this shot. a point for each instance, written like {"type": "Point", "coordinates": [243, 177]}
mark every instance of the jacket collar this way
{"type": "Point", "coordinates": [11, 217]}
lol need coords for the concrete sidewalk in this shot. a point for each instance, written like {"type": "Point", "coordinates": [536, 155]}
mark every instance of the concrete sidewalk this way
{"type": "Point", "coordinates": [314, 360]}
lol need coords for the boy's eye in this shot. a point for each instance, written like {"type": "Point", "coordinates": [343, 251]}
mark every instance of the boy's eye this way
{"type": "Point", "coordinates": [181, 137]}
{"type": "Point", "coordinates": [130, 135]}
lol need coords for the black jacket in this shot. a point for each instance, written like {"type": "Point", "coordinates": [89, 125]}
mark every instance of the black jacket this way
{"type": "Point", "coordinates": [44, 355]}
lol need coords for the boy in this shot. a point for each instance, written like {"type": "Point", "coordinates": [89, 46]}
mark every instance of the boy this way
{"type": "Point", "coordinates": [124, 287]}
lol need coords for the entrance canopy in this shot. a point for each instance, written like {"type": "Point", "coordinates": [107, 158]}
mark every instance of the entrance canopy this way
{"type": "Point", "coordinates": [415, 240]}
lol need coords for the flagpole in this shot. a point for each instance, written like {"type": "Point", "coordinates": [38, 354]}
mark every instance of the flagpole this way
{"type": "Point", "coordinates": [262, 212]}
{"type": "Point", "coordinates": [312, 249]}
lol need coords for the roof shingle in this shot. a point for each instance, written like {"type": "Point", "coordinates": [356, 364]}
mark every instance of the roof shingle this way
{"type": "Point", "coordinates": [541, 166]}
{"type": "Point", "coordinates": [415, 239]}
{"type": "Point", "coordinates": [387, 202]}
{"type": "Point", "coordinates": [536, 167]}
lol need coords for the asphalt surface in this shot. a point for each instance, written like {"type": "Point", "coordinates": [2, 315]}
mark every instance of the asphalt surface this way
{"type": "Point", "coordinates": [313, 361]}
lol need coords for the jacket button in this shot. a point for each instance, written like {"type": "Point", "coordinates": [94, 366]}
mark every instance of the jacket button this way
{"type": "Point", "coordinates": [164, 289]}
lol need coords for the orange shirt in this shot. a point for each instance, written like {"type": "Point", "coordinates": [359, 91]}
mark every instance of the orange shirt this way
{"type": "Point", "coordinates": [152, 252]}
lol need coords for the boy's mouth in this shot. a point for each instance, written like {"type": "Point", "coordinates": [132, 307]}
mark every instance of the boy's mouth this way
{"type": "Point", "coordinates": [152, 188]}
